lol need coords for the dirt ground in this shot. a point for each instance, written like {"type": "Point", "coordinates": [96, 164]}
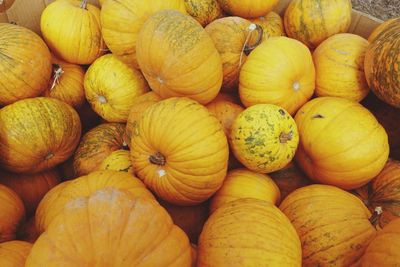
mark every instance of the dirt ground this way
{"type": "Point", "coordinates": [382, 9]}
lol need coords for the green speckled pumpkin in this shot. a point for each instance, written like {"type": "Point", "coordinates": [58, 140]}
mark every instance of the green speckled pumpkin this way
{"type": "Point", "coordinates": [272, 25]}
{"type": "Point", "coordinates": [204, 11]}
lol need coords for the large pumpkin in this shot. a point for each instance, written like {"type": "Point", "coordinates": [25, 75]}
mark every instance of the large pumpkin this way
{"type": "Point", "coordinates": [248, 233]}
{"type": "Point", "coordinates": [382, 64]}
{"type": "Point", "coordinates": [5, 5]}
{"type": "Point", "coordinates": [37, 134]}
{"type": "Point", "coordinates": [118, 160]}
{"type": "Point", "coordinates": [378, 30]}
{"type": "Point", "coordinates": [333, 225]}
{"type": "Point", "coordinates": [281, 57]}
{"type": "Point", "coordinates": [312, 21]}
{"type": "Point", "coordinates": [186, 63]}
{"type": "Point", "coordinates": [111, 86]}
{"type": "Point", "coordinates": [272, 25]}
{"type": "Point", "coordinates": [25, 65]}
{"type": "Point", "coordinates": [341, 142]}
{"type": "Point", "coordinates": [114, 228]}
{"type": "Point", "coordinates": [204, 11]}
{"type": "Point", "coordinates": [12, 212]}
{"type": "Point", "coordinates": [180, 151]}
{"type": "Point", "coordinates": [248, 8]}
{"type": "Point", "coordinates": [121, 21]}
{"type": "Point", "coordinates": [14, 253]}
{"type": "Point", "coordinates": [71, 28]}
{"type": "Point", "coordinates": [264, 138]}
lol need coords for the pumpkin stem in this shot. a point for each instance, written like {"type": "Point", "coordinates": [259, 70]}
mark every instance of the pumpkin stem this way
{"type": "Point", "coordinates": [284, 137]}
{"type": "Point", "coordinates": [83, 4]}
{"type": "Point", "coordinates": [125, 146]}
{"type": "Point", "coordinates": [375, 216]}
{"type": "Point", "coordinates": [57, 73]}
{"type": "Point", "coordinates": [248, 48]}
{"type": "Point", "coordinates": [158, 159]}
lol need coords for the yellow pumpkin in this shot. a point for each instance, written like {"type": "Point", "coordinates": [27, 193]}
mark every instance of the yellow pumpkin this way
{"type": "Point", "coordinates": [204, 11]}
{"type": "Point", "coordinates": [12, 213]}
{"type": "Point", "coordinates": [25, 64]}
{"type": "Point", "coordinates": [180, 151]}
{"type": "Point", "coordinates": [14, 253]}
{"type": "Point", "coordinates": [121, 21]}
{"type": "Point", "coordinates": [5, 5]}
{"type": "Point", "coordinates": [111, 86]}
{"type": "Point", "coordinates": [272, 25]}
{"type": "Point", "coordinates": [248, 8]}
{"type": "Point", "coordinates": [264, 138]}
{"type": "Point", "coordinates": [71, 28]}
{"type": "Point", "coordinates": [186, 63]}
{"type": "Point", "coordinates": [118, 160]}
{"type": "Point", "coordinates": [242, 183]}
{"type": "Point", "coordinates": [281, 57]}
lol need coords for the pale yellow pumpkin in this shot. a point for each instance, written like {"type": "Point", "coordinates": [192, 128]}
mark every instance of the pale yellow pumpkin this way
{"type": "Point", "coordinates": [272, 25]}
{"type": "Point", "coordinates": [118, 160]}
{"type": "Point", "coordinates": [14, 253]}
{"type": "Point", "coordinates": [248, 8]}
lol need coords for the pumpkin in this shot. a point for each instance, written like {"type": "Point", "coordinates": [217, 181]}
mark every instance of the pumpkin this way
{"type": "Point", "coordinates": [375, 33]}
{"type": "Point", "coordinates": [242, 183]}
{"type": "Point", "coordinates": [12, 213]}
{"type": "Point", "coordinates": [333, 225]}
{"type": "Point", "coordinates": [31, 188]}
{"type": "Point", "coordinates": [96, 145]}
{"type": "Point", "coordinates": [14, 253]}
{"type": "Point", "coordinates": [382, 64]}
{"type": "Point", "coordinates": [312, 21]}
{"type": "Point", "coordinates": [56, 200]}
{"type": "Point", "coordinates": [180, 151]}
{"type": "Point", "coordinates": [5, 5]}
{"type": "Point", "coordinates": [118, 160]}
{"type": "Point", "coordinates": [264, 138]}
{"type": "Point", "coordinates": [25, 65]}
{"type": "Point", "coordinates": [234, 38]}
{"type": "Point", "coordinates": [66, 83]}
{"type": "Point", "coordinates": [341, 142]}
{"type": "Point", "coordinates": [27, 232]}
{"type": "Point", "coordinates": [272, 25]}
{"type": "Point", "coordinates": [111, 86]}
{"type": "Point", "coordinates": [186, 63]}
{"type": "Point", "coordinates": [248, 8]}
{"type": "Point", "coordinates": [36, 134]}
{"type": "Point", "coordinates": [104, 235]}
{"type": "Point", "coordinates": [204, 11]}
{"type": "Point", "coordinates": [281, 57]}
{"type": "Point", "coordinates": [121, 21]}
{"type": "Point", "coordinates": [341, 55]}
{"type": "Point", "coordinates": [247, 233]}
{"type": "Point", "coordinates": [71, 28]}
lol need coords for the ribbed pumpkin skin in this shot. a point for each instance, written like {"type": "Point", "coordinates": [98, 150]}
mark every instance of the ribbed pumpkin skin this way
{"type": "Point", "coordinates": [272, 25]}
{"type": "Point", "coordinates": [96, 145]}
{"type": "Point", "coordinates": [122, 20]}
{"type": "Point", "coordinates": [180, 151]}
{"type": "Point", "coordinates": [111, 86]}
{"type": "Point", "coordinates": [73, 33]}
{"type": "Point", "coordinates": [341, 142]}
{"type": "Point", "coordinates": [264, 138]}
{"type": "Point", "coordinates": [379, 29]}
{"type": "Point", "coordinates": [248, 8]}
{"type": "Point", "coordinates": [204, 11]}
{"type": "Point", "coordinates": [30, 60]}
{"type": "Point", "coordinates": [36, 134]}
{"type": "Point", "coordinates": [382, 64]}
{"type": "Point", "coordinates": [12, 212]}
{"type": "Point", "coordinates": [31, 188]}
{"type": "Point", "coordinates": [248, 233]}
{"type": "Point", "coordinates": [14, 253]}
{"type": "Point", "coordinates": [241, 184]}
{"type": "Point", "coordinates": [341, 55]}
{"type": "Point", "coordinates": [119, 160]}
{"type": "Point", "coordinates": [186, 63]}
{"type": "Point", "coordinates": [109, 223]}
{"type": "Point", "coordinates": [332, 224]}
{"type": "Point", "coordinates": [6, 4]}
{"type": "Point", "coordinates": [312, 21]}
{"type": "Point", "coordinates": [281, 57]}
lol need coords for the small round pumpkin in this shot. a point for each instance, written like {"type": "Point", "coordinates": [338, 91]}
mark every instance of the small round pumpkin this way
{"type": "Point", "coordinates": [28, 232]}
{"type": "Point", "coordinates": [248, 8]}
{"type": "Point", "coordinates": [204, 11]}
{"type": "Point", "coordinates": [14, 253]}
{"type": "Point", "coordinates": [312, 22]}
{"type": "Point", "coordinates": [180, 151]}
{"type": "Point", "coordinates": [186, 63]}
{"type": "Point", "coordinates": [378, 30]}
{"type": "Point", "coordinates": [25, 64]}
{"type": "Point", "coordinates": [264, 138]}
{"type": "Point", "coordinates": [281, 57]}
{"type": "Point", "coordinates": [272, 25]}
{"type": "Point", "coordinates": [12, 213]}
{"type": "Point", "coordinates": [36, 134]}
{"type": "Point", "coordinates": [118, 160]}
{"type": "Point", "coordinates": [111, 86]}
{"type": "Point", "coordinates": [5, 5]}
{"type": "Point", "coordinates": [341, 142]}
{"type": "Point", "coordinates": [71, 28]}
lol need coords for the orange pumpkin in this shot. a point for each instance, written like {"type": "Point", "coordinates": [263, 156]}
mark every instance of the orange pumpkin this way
{"type": "Point", "coordinates": [378, 30]}
{"type": "Point", "coordinates": [272, 25]}
{"type": "Point", "coordinates": [118, 160]}
{"type": "Point", "coordinates": [28, 232]}
{"type": "Point", "coordinates": [5, 5]}
{"type": "Point", "coordinates": [25, 65]}
{"type": "Point", "coordinates": [186, 63]}
{"type": "Point", "coordinates": [204, 11]}
{"type": "Point", "coordinates": [12, 213]}
{"type": "Point", "coordinates": [14, 253]}
{"type": "Point", "coordinates": [37, 134]}
{"type": "Point", "coordinates": [248, 8]}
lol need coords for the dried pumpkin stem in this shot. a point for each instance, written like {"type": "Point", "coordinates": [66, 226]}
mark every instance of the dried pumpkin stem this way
{"type": "Point", "coordinates": [284, 137]}
{"type": "Point", "coordinates": [83, 4]}
{"type": "Point", "coordinates": [248, 48]}
{"type": "Point", "coordinates": [57, 73]}
{"type": "Point", "coordinates": [375, 216]}
{"type": "Point", "coordinates": [158, 159]}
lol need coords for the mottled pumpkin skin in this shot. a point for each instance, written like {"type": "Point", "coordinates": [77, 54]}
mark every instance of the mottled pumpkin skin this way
{"type": "Point", "coordinates": [25, 65]}
{"type": "Point", "coordinates": [272, 25]}
{"type": "Point", "coordinates": [382, 64]}
{"type": "Point", "coordinates": [121, 22]}
{"type": "Point", "coordinates": [312, 22]}
{"type": "Point", "coordinates": [332, 224]}
{"type": "Point", "coordinates": [378, 30]}
{"type": "Point", "coordinates": [341, 142]}
{"type": "Point", "coordinates": [14, 253]}
{"type": "Point", "coordinates": [204, 11]}
{"type": "Point", "coordinates": [36, 134]}
{"type": "Point", "coordinates": [109, 223]}
{"type": "Point", "coordinates": [248, 233]}
{"type": "Point", "coordinates": [264, 138]}
{"type": "Point", "coordinates": [12, 213]}
{"type": "Point", "coordinates": [186, 63]}
{"type": "Point", "coordinates": [248, 8]}
{"type": "Point", "coordinates": [281, 57]}
{"type": "Point", "coordinates": [119, 160]}
{"type": "Point", "coordinates": [180, 151]}
{"type": "Point", "coordinates": [28, 232]}
{"type": "Point", "coordinates": [6, 4]}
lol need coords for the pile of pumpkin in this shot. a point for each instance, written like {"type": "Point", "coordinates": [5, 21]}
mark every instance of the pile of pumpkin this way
{"type": "Point", "coordinates": [250, 145]}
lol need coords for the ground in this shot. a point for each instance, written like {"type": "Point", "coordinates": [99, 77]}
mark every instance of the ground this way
{"type": "Point", "coordinates": [382, 9]}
